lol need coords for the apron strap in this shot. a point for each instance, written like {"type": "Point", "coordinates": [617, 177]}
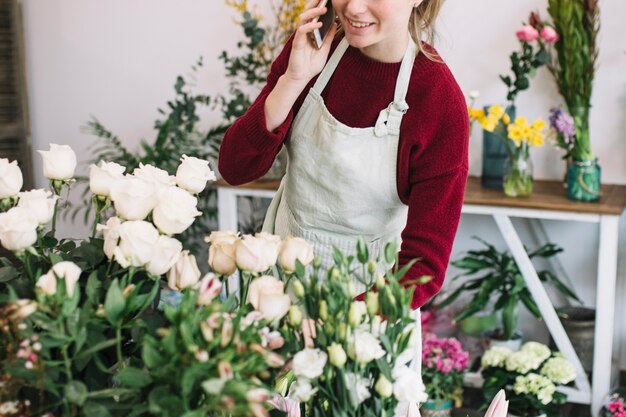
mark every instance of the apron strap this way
{"type": "Point", "coordinates": [330, 67]}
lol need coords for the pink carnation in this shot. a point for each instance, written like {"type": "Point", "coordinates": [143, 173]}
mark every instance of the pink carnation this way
{"type": "Point", "coordinates": [549, 34]}
{"type": "Point", "coordinates": [527, 34]}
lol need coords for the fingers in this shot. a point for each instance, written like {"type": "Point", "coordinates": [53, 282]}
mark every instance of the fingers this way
{"type": "Point", "coordinates": [328, 40]}
{"type": "Point", "coordinates": [311, 14]}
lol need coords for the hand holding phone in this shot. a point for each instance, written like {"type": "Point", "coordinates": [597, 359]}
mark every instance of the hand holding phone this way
{"type": "Point", "coordinates": [327, 19]}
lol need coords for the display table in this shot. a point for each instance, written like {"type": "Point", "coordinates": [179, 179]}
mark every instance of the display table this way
{"type": "Point", "coordinates": [548, 201]}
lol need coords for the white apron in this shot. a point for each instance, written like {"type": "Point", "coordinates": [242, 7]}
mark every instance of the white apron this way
{"type": "Point", "coordinates": [341, 181]}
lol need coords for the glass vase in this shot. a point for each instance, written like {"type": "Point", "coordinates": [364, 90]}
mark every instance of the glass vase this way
{"type": "Point", "coordinates": [436, 409]}
{"type": "Point", "coordinates": [583, 181]}
{"type": "Point", "coordinates": [517, 180]}
{"type": "Point", "coordinates": [494, 155]}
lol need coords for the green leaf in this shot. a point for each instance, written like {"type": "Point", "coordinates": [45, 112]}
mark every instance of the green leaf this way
{"type": "Point", "coordinates": [93, 409]}
{"type": "Point", "coordinates": [509, 317]}
{"type": "Point", "coordinates": [213, 386]}
{"type": "Point", "coordinates": [76, 392]}
{"type": "Point", "coordinates": [151, 356]}
{"type": "Point", "coordinates": [362, 254]}
{"type": "Point", "coordinates": [93, 288]}
{"type": "Point", "coordinates": [300, 272]}
{"type": "Point", "coordinates": [114, 303]}
{"type": "Point", "coordinates": [7, 273]}
{"type": "Point", "coordinates": [391, 250]}
{"type": "Point", "coordinates": [337, 256]}
{"type": "Point", "coordinates": [133, 378]}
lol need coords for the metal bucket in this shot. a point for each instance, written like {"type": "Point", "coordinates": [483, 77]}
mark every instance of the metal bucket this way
{"type": "Point", "coordinates": [579, 324]}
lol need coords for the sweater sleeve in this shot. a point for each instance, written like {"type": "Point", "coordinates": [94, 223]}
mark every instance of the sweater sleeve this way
{"type": "Point", "coordinates": [437, 176]}
{"type": "Point", "coordinates": [248, 149]}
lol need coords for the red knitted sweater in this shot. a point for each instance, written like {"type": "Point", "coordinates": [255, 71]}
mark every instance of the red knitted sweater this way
{"type": "Point", "coordinates": [432, 155]}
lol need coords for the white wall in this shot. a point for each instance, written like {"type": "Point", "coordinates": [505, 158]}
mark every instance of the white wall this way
{"type": "Point", "coordinates": [118, 60]}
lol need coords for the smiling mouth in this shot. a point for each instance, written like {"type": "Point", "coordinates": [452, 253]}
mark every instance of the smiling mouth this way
{"type": "Point", "coordinates": [359, 24]}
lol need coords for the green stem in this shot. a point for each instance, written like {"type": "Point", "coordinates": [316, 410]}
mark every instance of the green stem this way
{"type": "Point", "coordinates": [54, 217]}
{"type": "Point", "coordinates": [118, 347]}
{"type": "Point", "coordinates": [95, 223]}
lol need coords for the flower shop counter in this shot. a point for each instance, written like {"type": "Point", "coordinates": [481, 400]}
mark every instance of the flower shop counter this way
{"type": "Point", "coordinates": [548, 201]}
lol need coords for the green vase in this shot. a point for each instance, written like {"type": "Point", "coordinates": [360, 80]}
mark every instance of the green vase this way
{"type": "Point", "coordinates": [583, 181]}
{"type": "Point", "coordinates": [517, 180]}
{"type": "Point", "coordinates": [436, 409]}
{"type": "Point", "coordinates": [494, 155]}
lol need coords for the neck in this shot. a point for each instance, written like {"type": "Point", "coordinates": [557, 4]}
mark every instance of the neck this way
{"type": "Point", "coordinates": [391, 51]}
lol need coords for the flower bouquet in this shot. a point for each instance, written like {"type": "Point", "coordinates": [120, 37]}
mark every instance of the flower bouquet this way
{"type": "Point", "coordinates": [529, 377]}
{"type": "Point", "coordinates": [517, 138]}
{"type": "Point", "coordinates": [443, 365]}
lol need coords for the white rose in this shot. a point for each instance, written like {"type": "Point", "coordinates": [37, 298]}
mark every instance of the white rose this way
{"type": "Point", "coordinates": [166, 253]}
{"type": "Point", "coordinates": [222, 258]}
{"type": "Point", "coordinates": [408, 386]}
{"type": "Point", "coordinates": [59, 162]}
{"type": "Point", "coordinates": [184, 273]}
{"type": "Point", "coordinates": [18, 229]}
{"type": "Point", "coordinates": [68, 271]}
{"type": "Point", "coordinates": [220, 236]}
{"type": "Point", "coordinates": [210, 287]}
{"type": "Point", "coordinates": [301, 390]}
{"type": "Point", "coordinates": [407, 409]}
{"type": "Point", "coordinates": [309, 363]}
{"type": "Point", "coordinates": [11, 179]}
{"type": "Point", "coordinates": [359, 388]}
{"type": "Point", "coordinates": [175, 210]}
{"type": "Point", "coordinates": [156, 176]}
{"type": "Point", "coordinates": [103, 176]}
{"type": "Point", "coordinates": [364, 347]}
{"type": "Point", "coordinates": [47, 283]}
{"type": "Point", "coordinates": [272, 247]}
{"type": "Point", "coordinates": [266, 294]}
{"type": "Point", "coordinates": [294, 248]}
{"type": "Point", "coordinates": [39, 203]}
{"type": "Point", "coordinates": [111, 234]}
{"type": "Point", "coordinates": [193, 173]}
{"type": "Point", "coordinates": [254, 254]}
{"type": "Point", "coordinates": [136, 245]}
{"type": "Point", "coordinates": [133, 198]}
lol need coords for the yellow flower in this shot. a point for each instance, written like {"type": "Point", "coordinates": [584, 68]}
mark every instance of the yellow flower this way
{"type": "Point", "coordinates": [521, 121]}
{"type": "Point", "coordinates": [496, 111]}
{"type": "Point", "coordinates": [515, 134]}
{"type": "Point", "coordinates": [477, 114]}
{"type": "Point", "coordinates": [506, 119]}
{"type": "Point", "coordinates": [489, 124]}
{"type": "Point", "coordinates": [525, 130]}
{"type": "Point", "coordinates": [535, 139]}
{"type": "Point", "coordinates": [538, 124]}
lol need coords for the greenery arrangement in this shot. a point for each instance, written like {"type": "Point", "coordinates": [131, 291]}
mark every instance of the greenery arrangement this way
{"type": "Point", "coordinates": [500, 281]}
{"type": "Point", "coordinates": [529, 378]}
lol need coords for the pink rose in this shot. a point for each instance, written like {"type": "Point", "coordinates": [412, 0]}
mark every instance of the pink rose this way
{"type": "Point", "coordinates": [549, 35]}
{"type": "Point", "coordinates": [527, 34]}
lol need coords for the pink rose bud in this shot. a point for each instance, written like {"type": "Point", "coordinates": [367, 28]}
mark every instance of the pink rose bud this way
{"type": "Point", "coordinates": [527, 34]}
{"type": "Point", "coordinates": [549, 34]}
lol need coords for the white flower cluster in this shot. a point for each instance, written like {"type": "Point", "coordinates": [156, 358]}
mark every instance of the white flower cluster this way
{"type": "Point", "coordinates": [496, 357]}
{"type": "Point", "coordinates": [559, 370]}
{"type": "Point", "coordinates": [522, 361]}
{"type": "Point", "coordinates": [540, 386]}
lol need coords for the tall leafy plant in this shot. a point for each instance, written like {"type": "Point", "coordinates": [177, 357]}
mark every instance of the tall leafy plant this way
{"type": "Point", "coordinates": [574, 63]}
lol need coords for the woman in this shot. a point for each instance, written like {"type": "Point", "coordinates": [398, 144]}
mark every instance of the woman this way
{"type": "Point", "coordinates": [376, 131]}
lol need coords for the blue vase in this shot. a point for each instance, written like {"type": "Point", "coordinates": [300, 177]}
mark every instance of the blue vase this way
{"type": "Point", "coordinates": [494, 155]}
{"type": "Point", "coordinates": [583, 181]}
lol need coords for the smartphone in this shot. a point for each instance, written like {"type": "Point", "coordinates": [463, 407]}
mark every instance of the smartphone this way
{"type": "Point", "coordinates": [327, 20]}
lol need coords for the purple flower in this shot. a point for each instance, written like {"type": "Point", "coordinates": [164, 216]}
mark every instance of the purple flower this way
{"type": "Point", "coordinates": [563, 123]}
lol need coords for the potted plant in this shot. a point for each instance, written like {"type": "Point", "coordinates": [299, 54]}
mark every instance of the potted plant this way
{"type": "Point", "coordinates": [613, 406]}
{"type": "Point", "coordinates": [443, 364]}
{"type": "Point", "coordinates": [529, 378]}
{"type": "Point", "coordinates": [499, 280]}
{"type": "Point", "coordinates": [573, 54]}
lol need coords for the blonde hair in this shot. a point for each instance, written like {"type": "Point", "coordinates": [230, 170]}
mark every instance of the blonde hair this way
{"type": "Point", "coordinates": [422, 26]}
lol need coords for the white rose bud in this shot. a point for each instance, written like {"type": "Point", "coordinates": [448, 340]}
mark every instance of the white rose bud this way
{"type": "Point", "coordinates": [137, 241]}
{"type": "Point", "coordinates": [59, 162]}
{"type": "Point", "coordinates": [193, 173]}
{"type": "Point", "coordinates": [356, 313]}
{"type": "Point", "coordinates": [39, 203]}
{"type": "Point", "coordinates": [210, 287]}
{"type": "Point", "coordinates": [68, 271]}
{"type": "Point", "coordinates": [295, 316]}
{"type": "Point", "coordinates": [220, 236]}
{"type": "Point", "coordinates": [133, 198]}
{"type": "Point", "coordinates": [11, 179]}
{"type": "Point", "coordinates": [266, 294]}
{"type": "Point", "coordinates": [309, 363]}
{"type": "Point", "coordinates": [254, 254]}
{"type": "Point", "coordinates": [47, 283]}
{"type": "Point", "coordinates": [474, 94]}
{"type": "Point", "coordinates": [184, 273]}
{"type": "Point", "coordinates": [18, 229]}
{"type": "Point", "coordinates": [371, 302]}
{"type": "Point", "coordinates": [175, 210]}
{"type": "Point", "coordinates": [337, 355]}
{"type": "Point", "coordinates": [103, 176]}
{"type": "Point", "coordinates": [111, 234]}
{"type": "Point", "coordinates": [301, 390]}
{"type": "Point", "coordinates": [383, 387]}
{"type": "Point", "coordinates": [166, 253]}
{"type": "Point", "coordinates": [156, 176]}
{"type": "Point", "coordinates": [364, 347]}
{"type": "Point", "coordinates": [294, 248]}
{"type": "Point", "coordinates": [222, 258]}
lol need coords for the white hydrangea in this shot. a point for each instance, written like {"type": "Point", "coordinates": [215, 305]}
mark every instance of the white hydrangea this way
{"type": "Point", "coordinates": [496, 356]}
{"type": "Point", "coordinates": [535, 384]}
{"type": "Point", "coordinates": [559, 370]}
{"type": "Point", "coordinates": [522, 361]}
{"type": "Point", "coordinates": [541, 351]}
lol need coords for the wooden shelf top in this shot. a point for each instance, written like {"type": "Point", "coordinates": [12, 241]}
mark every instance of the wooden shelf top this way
{"type": "Point", "coordinates": [547, 195]}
